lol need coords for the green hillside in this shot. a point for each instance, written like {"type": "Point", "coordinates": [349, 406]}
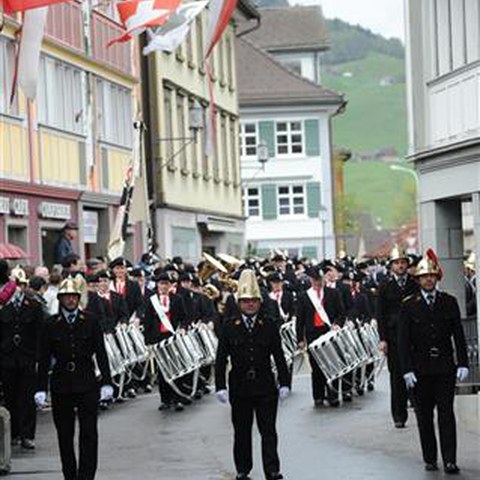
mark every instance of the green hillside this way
{"type": "Point", "coordinates": [375, 117]}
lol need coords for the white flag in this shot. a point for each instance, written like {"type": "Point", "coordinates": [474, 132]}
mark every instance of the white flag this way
{"type": "Point", "coordinates": [169, 36]}
{"type": "Point", "coordinates": [30, 45]}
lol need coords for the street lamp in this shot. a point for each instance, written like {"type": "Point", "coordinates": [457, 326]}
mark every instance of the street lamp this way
{"type": "Point", "coordinates": [262, 158]}
{"type": "Point", "coordinates": [322, 215]}
{"type": "Point", "coordinates": [195, 124]}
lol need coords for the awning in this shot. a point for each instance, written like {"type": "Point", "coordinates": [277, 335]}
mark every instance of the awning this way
{"type": "Point", "coordinates": [9, 251]}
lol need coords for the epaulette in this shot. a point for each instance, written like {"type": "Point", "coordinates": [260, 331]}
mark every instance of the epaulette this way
{"type": "Point", "coordinates": [409, 297]}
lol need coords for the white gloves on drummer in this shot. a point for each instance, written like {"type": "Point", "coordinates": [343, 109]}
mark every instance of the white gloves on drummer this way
{"type": "Point", "coordinates": [283, 393]}
{"type": "Point", "coordinates": [40, 399]}
{"type": "Point", "coordinates": [222, 396]}
{"type": "Point", "coordinates": [410, 380]}
{"type": "Point", "coordinates": [106, 393]}
{"type": "Point", "coordinates": [462, 373]}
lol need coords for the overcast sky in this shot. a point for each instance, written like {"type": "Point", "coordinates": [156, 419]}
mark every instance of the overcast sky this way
{"type": "Point", "coordinates": [380, 16]}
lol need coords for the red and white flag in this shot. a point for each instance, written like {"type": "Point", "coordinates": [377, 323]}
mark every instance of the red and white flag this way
{"type": "Point", "coordinates": [221, 12]}
{"type": "Point", "coordinates": [138, 15]}
{"type": "Point", "coordinates": [12, 6]}
{"type": "Point", "coordinates": [169, 36]}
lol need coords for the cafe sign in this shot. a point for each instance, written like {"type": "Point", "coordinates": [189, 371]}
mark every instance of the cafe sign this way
{"type": "Point", "coordinates": [58, 211]}
{"type": "Point", "coordinates": [4, 205]}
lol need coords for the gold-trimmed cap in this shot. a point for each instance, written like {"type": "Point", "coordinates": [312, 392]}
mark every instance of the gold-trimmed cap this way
{"type": "Point", "coordinates": [248, 286]}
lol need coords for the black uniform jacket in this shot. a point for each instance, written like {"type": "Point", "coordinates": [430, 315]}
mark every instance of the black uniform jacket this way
{"type": "Point", "coordinates": [116, 311]}
{"type": "Point", "coordinates": [250, 356]}
{"type": "Point", "coordinates": [20, 332]}
{"type": "Point", "coordinates": [390, 297]}
{"type": "Point", "coordinates": [333, 305]}
{"type": "Point", "coordinates": [134, 298]}
{"type": "Point", "coordinates": [425, 335]}
{"type": "Point", "coordinates": [360, 307]}
{"type": "Point", "coordinates": [70, 349]}
{"type": "Point", "coordinates": [288, 306]}
{"type": "Point", "coordinates": [152, 322]}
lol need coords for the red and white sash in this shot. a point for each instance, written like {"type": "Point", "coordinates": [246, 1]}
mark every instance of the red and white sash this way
{"type": "Point", "coordinates": [278, 300]}
{"type": "Point", "coordinates": [321, 316]}
{"type": "Point", "coordinates": [162, 313]}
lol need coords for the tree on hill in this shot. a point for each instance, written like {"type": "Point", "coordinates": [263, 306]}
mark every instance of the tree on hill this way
{"type": "Point", "coordinates": [353, 42]}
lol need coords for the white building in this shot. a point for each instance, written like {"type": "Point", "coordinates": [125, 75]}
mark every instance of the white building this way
{"type": "Point", "coordinates": [443, 67]}
{"type": "Point", "coordinates": [289, 200]}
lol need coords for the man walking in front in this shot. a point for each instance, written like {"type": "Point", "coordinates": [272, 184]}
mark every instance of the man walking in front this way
{"type": "Point", "coordinates": [250, 340]}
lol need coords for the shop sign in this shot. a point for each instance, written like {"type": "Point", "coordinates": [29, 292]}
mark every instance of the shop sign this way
{"type": "Point", "coordinates": [55, 210]}
{"type": "Point", "coordinates": [90, 226]}
{"type": "Point", "coordinates": [20, 207]}
{"type": "Point", "coordinates": [4, 205]}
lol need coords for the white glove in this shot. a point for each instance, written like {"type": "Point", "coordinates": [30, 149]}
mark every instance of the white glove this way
{"type": "Point", "coordinates": [222, 396]}
{"type": "Point", "coordinates": [40, 399]}
{"type": "Point", "coordinates": [410, 380]}
{"type": "Point", "coordinates": [462, 373]}
{"type": "Point", "coordinates": [283, 393]}
{"type": "Point", "coordinates": [106, 393]}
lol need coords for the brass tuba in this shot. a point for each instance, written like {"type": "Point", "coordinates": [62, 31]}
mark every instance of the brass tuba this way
{"type": "Point", "coordinates": [210, 266]}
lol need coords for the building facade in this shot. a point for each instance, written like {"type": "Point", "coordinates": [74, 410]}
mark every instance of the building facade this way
{"type": "Point", "coordinates": [443, 67]}
{"type": "Point", "coordinates": [289, 200]}
{"type": "Point", "coordinates": [196, 190]}
{"type": "Point", "coordinates": [63, 156]}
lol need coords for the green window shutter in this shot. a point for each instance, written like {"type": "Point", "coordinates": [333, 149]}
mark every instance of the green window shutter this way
{"type": "Point", "coordinates": [312, 138]}
{"type": "Point", "coordinates": [269, 201]}
{"type": "Point", "coordinates": [266, 133]}
{"type": "Point", "coordinates": [314, 199]}
{"type": "Point", "coordinates": [309, 252]}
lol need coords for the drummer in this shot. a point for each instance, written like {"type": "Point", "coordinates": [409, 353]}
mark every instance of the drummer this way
{"type": "Point", "coordinates": [320, 309]}
{"type": "Point", "coordinates": [164, 315]}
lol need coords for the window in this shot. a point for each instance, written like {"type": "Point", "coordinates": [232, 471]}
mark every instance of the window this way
{"type": "Point", "coordinates": [61, 96]}
{"type": "Point", "coordinates": [289, 138]}
{"type": "Point", "coordinates": [226, 158]}
{"type": "Point", "coordinates": [234, 149]}
{"type": "Point", "coordinates": [229, 54]}
{"type": "Point", "coordinates": [114, 113]}
{"type": "Point", "coordinates": [294, 65]}
{"type": "Point", "coordinates": [203, 143]}
{"type": "Point", "coordinates": [199, 29]}
{"type": "Point", "coordinates": [7, 67]}
{"type": "Point", "coordinates": [194, 145]}
{"type": "Point", "coordinates": [248, 139]}
{"type": "Point", "coordinates": [18, 235]}
{"type": "Point", "coordinates": [251, 198]}
{"type": "Point", "coordinates": [221, 60]}
{"type": "Point", "coordinates": [190, 46]}
{"type": "Point", "coordinates": [181, 131]}
{"type": "Point", "coordinates": [291, 200]}
{"type": "Point", "coordinates": [167, 104]}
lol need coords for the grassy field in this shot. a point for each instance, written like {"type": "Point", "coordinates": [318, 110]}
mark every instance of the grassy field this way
{"type": "Point", "coordinates": [376, 115]}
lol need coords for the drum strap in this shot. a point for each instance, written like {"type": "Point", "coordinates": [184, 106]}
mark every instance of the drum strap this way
{"type": "Point", "coordinates": [320, 312]}
{"type": "Point", "coordinates": [161, 313]}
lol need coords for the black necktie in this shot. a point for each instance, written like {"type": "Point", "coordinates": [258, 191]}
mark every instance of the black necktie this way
{"type": "Point", "coordinates": [430, 300]}
{"type": "Point", "coordinates": [18, 303]}
{"type": "Point", "coordinates": [401, 283]}
{"type": "Point", "coordinates": [249, 322]}
{"type": "Point", "coordinates": [71, 318]}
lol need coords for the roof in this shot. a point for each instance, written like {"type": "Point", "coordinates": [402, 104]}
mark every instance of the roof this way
{"type": "Point", "coordinates": [248, 9]}
{"type": "Point", "coordinates": [264, 81]}
{"type": "Point", "coordinates": [291, 29]}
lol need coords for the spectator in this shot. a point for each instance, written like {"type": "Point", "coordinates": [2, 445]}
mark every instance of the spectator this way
{"type": "Point", "coordinates": [50, 295]}
{"type": "Point", "coordinates": [63, 246]}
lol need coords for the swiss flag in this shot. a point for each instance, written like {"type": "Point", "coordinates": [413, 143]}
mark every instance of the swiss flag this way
{"type": "Point", "coordinates": [12, 6]}
{"type": "Point", "coordinates": [138, 15]}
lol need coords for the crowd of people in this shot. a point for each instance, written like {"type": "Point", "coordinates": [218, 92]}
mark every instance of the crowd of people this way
{"type": "Point", "coordinates": [52, 320]}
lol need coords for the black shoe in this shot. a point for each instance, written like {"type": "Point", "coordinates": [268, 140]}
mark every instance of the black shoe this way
{"type": "Point", "coordinates": [15, 441]}
{"type": "Point", "coordinates": [451, 468]}
{"type": "Point", "coordinates": [242, 476]}
{"type": "Point", "coordinates": [163, 406]}
{"type": "Point", "coordinates": [334, 403]}
{"type": "Point", "coordinates": [131, 393]}
{"type": "Point", "coordinates": [275, 476]}
{"type": "Point", "coordinates": [318, 403]}
{"type": "Point", "coordinates": [431, 467]}
{"type": "Point", "coordinates": [179, 407]}
{"type": "Point", "coordinates": [198, 395]}
{"type": "Point", "coordinates": [148, 388]}
{"type": "Point", "coordinates": [103, 406]}
{"type": "Point", "coordinates": [399, 424]}
{"type": "Point", "coordinates": [186, 401]}
{"type": "Point", "coordinates": [371, 387]}
{"type": "Point", "coordinates": [207, 390]}
{"type": "Point", "coordinates": [28, 444]}
{"type": "Point", "coordinates": [347, 397]}
{"type": "Point", "coordinates": [360, 392]}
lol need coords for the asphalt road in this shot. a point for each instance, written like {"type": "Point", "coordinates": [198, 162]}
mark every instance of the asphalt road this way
{"type": "Point", "coordinates": [355, 442]}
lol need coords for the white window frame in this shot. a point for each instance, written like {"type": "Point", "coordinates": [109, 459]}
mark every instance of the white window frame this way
{"type": "Point", "coordinates": [7, 68]}
{"type": "Point", "coordinates": [243, 138]}
{"type": "Point", "coordinates": [247, 197]}
{"type": "Point", "coordinates": [291, 196]}
{"type": "Point", "coordinates": [289, 134]}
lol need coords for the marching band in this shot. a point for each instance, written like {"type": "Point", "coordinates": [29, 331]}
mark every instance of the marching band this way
{"type": "Point", "coordinates": [121, 329]}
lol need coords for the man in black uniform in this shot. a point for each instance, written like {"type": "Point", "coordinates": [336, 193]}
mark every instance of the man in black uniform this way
{"type": "Point", "coordinates": [319, 309]}
{"type": "Point", "coordinates": [250, 341]}
{"type": "Point", "coordinates": [21, 321]}
{"type": "Point", "coordinates": [429, 321]}
{"type": "Point", "coordinates": [391, 293]}
{"type": "Point", "coordinates": [71, 339]}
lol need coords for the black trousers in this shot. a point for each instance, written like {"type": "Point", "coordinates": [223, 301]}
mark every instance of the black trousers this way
{"type": "Point", "coordinates": [265, 409]}
{"type": "Point", "coordinates": [19, 383]}
{"type": "Point", "coordinates": [167, 394]}
{"type": "Point", "coordinates": [436, 391]}
{"type": "Point", "coordinates": [319, 383]}
{"type": "Point", "coordinates": [398, 389]}
{"type": "Point", "coordinates": [63, 409]}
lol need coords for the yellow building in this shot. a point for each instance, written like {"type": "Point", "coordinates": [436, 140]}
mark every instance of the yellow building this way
{"type": "Point", "coordinates": [63, 156]}
{"type": "Point", "coordinates": [198, 197]}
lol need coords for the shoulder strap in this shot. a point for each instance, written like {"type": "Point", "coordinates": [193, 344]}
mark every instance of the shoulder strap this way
{"type": "Point", "coordinates": [161, 313]}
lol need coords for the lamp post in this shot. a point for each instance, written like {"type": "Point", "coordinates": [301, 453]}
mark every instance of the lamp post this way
{"type": "Point", "coordinates": [322, 215]}
{"type": "Point", "coordinates": [262, 159]}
